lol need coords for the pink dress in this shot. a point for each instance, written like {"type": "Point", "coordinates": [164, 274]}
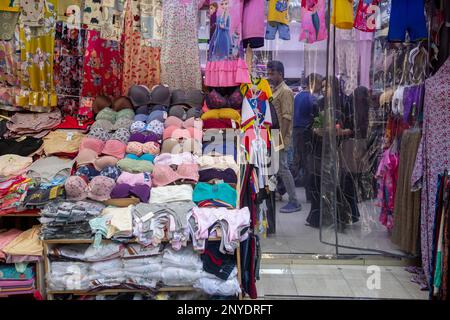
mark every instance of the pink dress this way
{"type": "Point", "coordinates": [313, 21]}
{"type": "Point", "coordinates": [387, 175]}
{"type": "Point", "coordinates": [226, 66]}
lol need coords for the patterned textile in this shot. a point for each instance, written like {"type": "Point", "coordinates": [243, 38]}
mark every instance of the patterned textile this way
{"type": "Point", "coordinates": [102, 67]}
{"type": "Point", "coordinates": [141, 64]}
{"type": "Point", "coordinates": [36, 56]}
{"type": "Point", "coordinates": [68, 66]}
{"type": "Point", "coordinates": [433, 155]}
{"type": "Point", "coordinates": [180, 62]}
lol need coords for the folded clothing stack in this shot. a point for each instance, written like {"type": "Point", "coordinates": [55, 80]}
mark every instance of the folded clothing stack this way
{"type": "Point", "coordinates": [234, 226]}
{"type": "Point", "coordinates": [15, 280]}
{"type": "Point", "coordinates": [113, 223]}
{"type": "Point", "coordinates": [36, 125]}
{"type": "Point", "coordinates": [133, 266]}
{"type": "Point", "coordinates": [157, 221]}
{"type": "Point", "coordinates": [13, 192]}
{"type": "Point", "coordinates": [121, 267]}
{"type": "Point", "coordinates": [68, 220]}
{"type": "Point", "coordinates": [18, 246]}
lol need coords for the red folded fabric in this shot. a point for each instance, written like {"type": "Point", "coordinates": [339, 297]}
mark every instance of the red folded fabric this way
{"type": "Point", "coordinates": [70, 122]}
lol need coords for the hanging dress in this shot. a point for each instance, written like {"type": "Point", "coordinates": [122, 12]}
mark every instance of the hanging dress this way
{"type": "Point", "coordinates": [180, 62]}
{"type": "Point", "coordinates": [37, 41]}
{"type": "Point", "coordinates": [226, 66]}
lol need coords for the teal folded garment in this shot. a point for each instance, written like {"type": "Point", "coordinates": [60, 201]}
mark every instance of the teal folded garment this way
{"type": "Point", "coordinates": [145, 156]}
{"type": "Point", "coordinates": [221, 191]}
{"type": "Point", "coordinates": [9, 271]}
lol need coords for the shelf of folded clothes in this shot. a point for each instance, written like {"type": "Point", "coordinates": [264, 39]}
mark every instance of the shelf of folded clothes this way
{"type": "Point", "coordinates": [116, 291]}
{"type": "Point", "coordinates": [115, 268]}
{"type": "Point", "coordinates": [89, 241]}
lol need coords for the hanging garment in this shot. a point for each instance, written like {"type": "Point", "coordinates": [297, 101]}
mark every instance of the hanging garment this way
{"type": "Point", "coordinates": [433, 156]}
{"type": "Point", "coordinates": [342, 16]}
{"type": "Point", "coordinates": [226, 66]}
{"type": "Point", "coordinates": [102, 67]}
{"type": "Point", "coordinates": [36, 67]}
{"type": "Point", "coordinates": [141, 64]}
{"type": "Point", "coordinates": [387, 175]}
{"type": "Point", "coordinates": [405, 233]}
{"type": "Point", "coordinates": [313, 21]}
{"type": "Point", "coordinates": [151, 20]}
{"type": "Point", "coordinates": [180, 62]}
{"type": "Point", "coordinates": [366, 15]}
{"type": "Point", "coordinates": [9, 72]}
{"type": "Point", "coordinates": [68, 66]}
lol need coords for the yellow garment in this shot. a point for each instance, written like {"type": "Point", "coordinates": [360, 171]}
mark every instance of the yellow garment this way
{"type": "Point", "coordinates": [5, 5]}
{"type": "Point", "coordinates": [62, 141]}
{"type": "Point", "coordinates": [278, 16]}
{"type": "Point", "coordinates": [257, 85]}
{"type": "Point", "coordinates": [26, 244]}
{"type": "Point", "coordinates": [36, 53]}
{"type": "Point", "coordinates": [342, 16]}
{"type": "Point", "coordinates": [225, 113]}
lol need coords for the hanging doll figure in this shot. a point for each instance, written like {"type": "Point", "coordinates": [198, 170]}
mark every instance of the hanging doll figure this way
{"type": "Point", "coordinates": [221, 39]}
{"type": "Point", "coordinates": [213, 17]}
{"type": "Point", "coordinates": [313, 21]}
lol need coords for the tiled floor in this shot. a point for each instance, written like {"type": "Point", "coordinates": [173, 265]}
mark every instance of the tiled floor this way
{"type": "Point", "coordinates": [299, 281]}
{"type": "Point", "coordinates": [293, 236]}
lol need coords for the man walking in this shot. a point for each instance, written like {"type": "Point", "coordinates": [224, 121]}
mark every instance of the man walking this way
{"type": "Point", "coordinates": [283, 101]}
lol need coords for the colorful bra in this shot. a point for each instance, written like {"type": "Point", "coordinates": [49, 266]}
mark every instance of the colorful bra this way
{"type": "Point", "coordinates": [138, 148]}
{"type": "Point", "coordinates": [227, 175]}
{"type": "Point", "coordinates": [188, 123]}
{"type": "Point", "coordinates": [226, 113]}
{"type": "Point", "coordinates": [214, 100]}
{"type": "Point", "coordinates": [145, 156]}
{"type": "Point", "coordinates": [172, 145]}
{"type": "Point", "coordinates": [177, 158]}
{"type": "Point", "coordinates": [164, 174]}
{"type": "Point", "coordinates": [177, 133]}
{"type": "Point", "coordinates": [221, 191]}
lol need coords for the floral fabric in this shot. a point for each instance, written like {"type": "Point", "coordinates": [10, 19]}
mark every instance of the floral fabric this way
{"type": "Point", "coordinates": [433, 155]}
{"type": "Point", "coordinates": [141, 63]}
{"type": "Point", "coordinates": [36, 63]}
{"type": "Point", "coordinates": [33, 12]}
{"type": "Point", "coordinates": [68, 66]}
{"type": "Point", "coordinates": [387, 176]}
{"type": "Point", "coordinates": [180, 63]}
{"type": "Point", "coordinates": [151, 18]}
{"type": "Point", "coordinates": [102, 67]}
{"type": "Point", "coordinates": [8, 26]}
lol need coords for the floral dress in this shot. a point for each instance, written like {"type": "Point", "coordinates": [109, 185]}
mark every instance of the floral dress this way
{"type": "Point", "coordinates": [102, 67]}
{"type": "Point", "coordinates": [180, 62]}
{"type": "Point", "coordinates": [36, 66]}
{"type": "Point", "coordinates": [141, 63]}
{"type": "Point", "coordinates": [68, 66]}
{"type": "Point", "coordinates": [433, 156]}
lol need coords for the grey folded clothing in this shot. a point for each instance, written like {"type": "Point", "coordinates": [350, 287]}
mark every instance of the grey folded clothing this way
{"type": "Point", "coordinates": [67, 219]}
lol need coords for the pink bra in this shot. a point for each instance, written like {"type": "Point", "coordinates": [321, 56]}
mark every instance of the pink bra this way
{"type": "Point", "coordinates": [163, 175]}
{"type": "Point", "coordinates": [175, 158]}
{"type": "Point", "coordinates": [188, 123]}
{"type": "Point", "coordinates": [177, 133]}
